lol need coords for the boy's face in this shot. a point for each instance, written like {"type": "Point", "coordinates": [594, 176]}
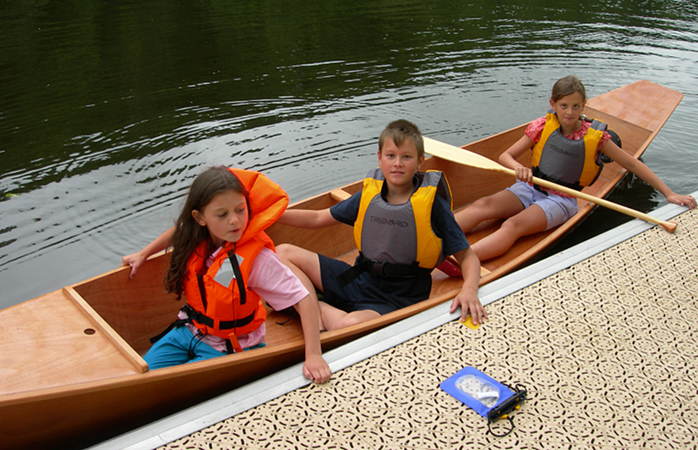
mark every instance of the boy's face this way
{"type": "Point", "coordinates": [399, 164]}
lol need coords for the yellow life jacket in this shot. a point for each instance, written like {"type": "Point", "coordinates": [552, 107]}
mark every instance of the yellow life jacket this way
{"type": "Point", "coordinates": [571, 163]}
{"type": "Point", "coordinates": [400, 234]}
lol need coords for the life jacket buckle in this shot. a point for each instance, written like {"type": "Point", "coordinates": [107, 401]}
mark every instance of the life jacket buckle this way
{"type": "Point", "coordinates": [377, 268]}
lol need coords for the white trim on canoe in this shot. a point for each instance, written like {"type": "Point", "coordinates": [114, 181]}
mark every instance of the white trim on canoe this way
{"type": "Point", "coordinates": [212, 411]}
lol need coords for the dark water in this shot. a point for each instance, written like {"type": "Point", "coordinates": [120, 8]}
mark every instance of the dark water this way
{"type": "Point", "coordinates": [109, 109]}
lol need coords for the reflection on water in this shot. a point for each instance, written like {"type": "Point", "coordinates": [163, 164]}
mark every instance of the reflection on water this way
{"type": "Point", "coordinates": [109, 109]}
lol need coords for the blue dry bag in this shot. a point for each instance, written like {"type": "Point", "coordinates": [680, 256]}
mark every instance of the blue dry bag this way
{"type": "Point", "coordinates": [487, 396]}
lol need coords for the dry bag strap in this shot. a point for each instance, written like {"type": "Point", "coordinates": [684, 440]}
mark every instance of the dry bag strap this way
{"type": "Point", "coordinates": [504, 409]}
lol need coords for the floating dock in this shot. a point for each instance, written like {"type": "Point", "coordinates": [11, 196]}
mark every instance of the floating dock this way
{"type": "Point", "coordinates": [603, 336]}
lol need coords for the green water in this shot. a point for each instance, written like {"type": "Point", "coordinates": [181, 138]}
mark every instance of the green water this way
{"type": "Point", "coordinates": [109, 109]}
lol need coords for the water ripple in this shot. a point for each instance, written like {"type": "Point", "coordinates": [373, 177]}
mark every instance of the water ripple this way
{"type": "Point", "coordinates": [105, 119]}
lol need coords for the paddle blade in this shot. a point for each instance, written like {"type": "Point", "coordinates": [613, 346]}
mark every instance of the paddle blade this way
{"type": "Point", "coordinates": [461, 155]}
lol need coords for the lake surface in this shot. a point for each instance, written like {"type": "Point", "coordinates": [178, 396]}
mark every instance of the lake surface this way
{"type": "Point", "coordinates": [108, 110]}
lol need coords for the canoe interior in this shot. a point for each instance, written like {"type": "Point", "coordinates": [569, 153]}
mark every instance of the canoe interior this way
{"type": "Point", "coordinates": [81, 369]}
{"type": "Point", "coordinates": [139, 308]}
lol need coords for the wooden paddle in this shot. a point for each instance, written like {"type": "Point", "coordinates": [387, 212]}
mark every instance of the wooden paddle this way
{"type": "Point", "coordinates": [468, 158]}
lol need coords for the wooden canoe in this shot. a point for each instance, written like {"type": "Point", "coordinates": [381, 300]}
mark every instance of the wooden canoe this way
{"type": "Point", "coordinates": [71, 370]}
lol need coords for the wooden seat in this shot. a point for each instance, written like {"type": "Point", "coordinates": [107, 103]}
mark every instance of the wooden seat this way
{"type": "Point", "coordinates": [52, 342]}
{"type": "Point", "coordinates": [339, 194]}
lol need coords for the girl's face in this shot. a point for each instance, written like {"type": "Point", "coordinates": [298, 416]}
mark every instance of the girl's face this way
{"type": "Point", "coordinates": [568, 109]}
{"type": "Point", "coordinates": [225, 216]}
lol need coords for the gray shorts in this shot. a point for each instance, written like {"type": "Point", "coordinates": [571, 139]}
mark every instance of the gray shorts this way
{"type": "Point", "coordinates": [557, 209]}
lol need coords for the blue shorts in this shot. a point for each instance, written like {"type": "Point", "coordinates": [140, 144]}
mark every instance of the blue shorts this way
{"type": "Point", "coordinates": [557, 209]}
{"type": "Point", "coordinates": [367, 291]}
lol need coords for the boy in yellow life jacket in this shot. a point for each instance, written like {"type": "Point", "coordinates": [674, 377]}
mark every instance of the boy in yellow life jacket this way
{"type": "Point", "coordinates": [403, 227]}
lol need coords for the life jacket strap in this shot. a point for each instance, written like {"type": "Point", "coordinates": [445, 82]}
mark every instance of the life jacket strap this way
{"type": "Point", "coordinates": [539, 174]}
{"type": "Point", "coordinates": [175, 324]}
{"type": "Point", "coordinates": [381, 270]}
{"type": "Point", "coordinates": [238, 277]}
{"type": "Point", "coordinates": [196, 316]}
{"type": "Point", "coordinates": [231, 342]}
{"type": "Point", "coordinates": [232, 345]}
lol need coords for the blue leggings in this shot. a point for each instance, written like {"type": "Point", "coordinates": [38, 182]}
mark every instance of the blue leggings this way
{"type": "Point", "coordinates": [179, 346]}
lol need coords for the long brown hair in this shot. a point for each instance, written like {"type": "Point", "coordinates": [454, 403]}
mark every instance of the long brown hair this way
{"type": "Point", "coordinates": [188, 233]}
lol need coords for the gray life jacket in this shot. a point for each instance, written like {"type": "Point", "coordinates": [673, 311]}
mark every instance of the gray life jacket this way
{"type": "Point", "coordinates": [571, 163]}
{"type": "Point", "coordinates": [400, 234]}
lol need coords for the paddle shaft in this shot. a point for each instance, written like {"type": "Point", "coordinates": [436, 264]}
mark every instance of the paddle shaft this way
{"type": "Point", "coordinates": [669, 226]}
{"type": "Point", "coordinates": [472, 159]}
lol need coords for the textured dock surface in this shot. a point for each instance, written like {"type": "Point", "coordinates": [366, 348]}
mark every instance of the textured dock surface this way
{"type": "Point", "coordinates": [607, 349]}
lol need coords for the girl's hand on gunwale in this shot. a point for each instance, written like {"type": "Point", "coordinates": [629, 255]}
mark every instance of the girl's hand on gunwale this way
{"type": "Point", "coordinates": [135, 260]}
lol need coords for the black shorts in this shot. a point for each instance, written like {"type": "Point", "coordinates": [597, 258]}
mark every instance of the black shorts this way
{"type": "Point", "coordinates": [368, 291]}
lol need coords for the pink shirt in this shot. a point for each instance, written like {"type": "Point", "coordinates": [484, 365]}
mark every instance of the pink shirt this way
{"type": "Point", "coordinates": [271, 280]}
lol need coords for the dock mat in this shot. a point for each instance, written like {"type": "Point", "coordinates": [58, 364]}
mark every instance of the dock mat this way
{"type": "Point", "coordinates": [606, 348]}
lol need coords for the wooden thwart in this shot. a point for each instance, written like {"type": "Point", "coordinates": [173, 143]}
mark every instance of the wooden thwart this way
{"type": "Point", "coordinates": [123, 347]}
{"type": "Point", "coordinates": [339, 194]}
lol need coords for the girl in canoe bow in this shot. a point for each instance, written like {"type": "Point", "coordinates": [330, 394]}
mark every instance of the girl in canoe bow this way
{"type": "Point", "coordinates": [223, 261]}
{"type": "Point", "coordinates": [565, 150]}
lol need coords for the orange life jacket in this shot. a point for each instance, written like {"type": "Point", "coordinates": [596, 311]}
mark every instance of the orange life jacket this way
{"type": "Point", "coordinates": [219, 302]}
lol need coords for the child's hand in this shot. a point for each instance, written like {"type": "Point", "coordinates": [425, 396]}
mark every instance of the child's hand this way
{"type": "Point", "coordinates": [135, 260]}
{"type": "Point", "coordinates": [469, 306]}
{"type": "Point", "coordinates": [524, 174]}
{"type": "Point", "coordinates": [316, 369]}
{"type": "Point", "coordinates": [683, 200]}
